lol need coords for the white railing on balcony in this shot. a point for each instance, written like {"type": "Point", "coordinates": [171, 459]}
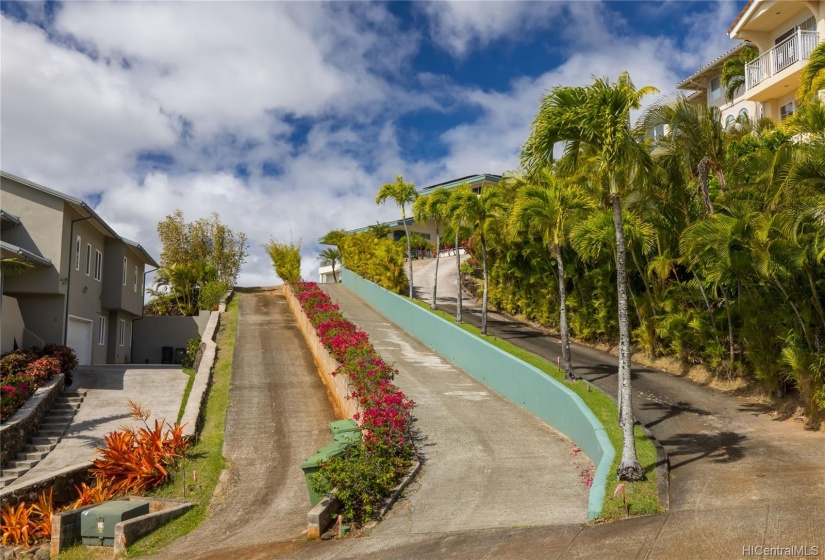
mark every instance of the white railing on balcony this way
{"type": "Point", "coordinates": [797, 47]}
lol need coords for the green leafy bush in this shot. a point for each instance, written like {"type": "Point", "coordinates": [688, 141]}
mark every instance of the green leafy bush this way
{"type": "Point", "coordinates": [210, 295]}
{"type": "Point", "coordinates": [286, 258]}
{"type": "Point", "coordinates": [192, 348]}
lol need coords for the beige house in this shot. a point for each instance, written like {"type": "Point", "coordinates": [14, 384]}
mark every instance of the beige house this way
{"type": "Point", "coordinates": [706, 85]}
{"type": "Point", "coordinates": [86, 284]}
{"type": "Point", "coordinates": [785, 33]}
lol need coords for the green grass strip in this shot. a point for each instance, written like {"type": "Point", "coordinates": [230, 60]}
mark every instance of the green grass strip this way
{"type": "Point", "coordinates": [206, 456]}
{"type": "Point", "coordinates": [642, 496]}
{"type": "Point", "coordinates": [191, 373]}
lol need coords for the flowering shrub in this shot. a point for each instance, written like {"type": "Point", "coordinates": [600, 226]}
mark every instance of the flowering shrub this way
{"type": "Point", "coordinates": [24, 371]}
{"type": "Point", "coordinates": [369, 471]}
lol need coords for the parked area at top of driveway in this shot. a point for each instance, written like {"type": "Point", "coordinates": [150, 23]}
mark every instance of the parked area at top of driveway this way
{"type": "Point", "coordinates": [488, 463]}
{"type": "Point", "coordinates": [106, 407]}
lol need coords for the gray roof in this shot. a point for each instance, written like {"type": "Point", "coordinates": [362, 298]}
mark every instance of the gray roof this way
{"type": "Point", "coordinates": [689, 83]}
{"type": "Point", "coordinates": [139, 248]}
{"type": "Point", "coordinates": [27, 255]}
{"type": "Point", "coordinates": [80, 207]}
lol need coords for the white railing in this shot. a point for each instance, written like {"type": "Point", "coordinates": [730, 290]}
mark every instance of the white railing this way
{"type": "Point", "coordinates": [794, 48]}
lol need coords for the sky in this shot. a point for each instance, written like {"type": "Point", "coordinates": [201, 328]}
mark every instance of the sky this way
{"type": "Point", "coordinates": [286, 117]}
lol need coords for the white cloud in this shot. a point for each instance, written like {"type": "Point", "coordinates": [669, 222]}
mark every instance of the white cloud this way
{"type": "Point", "coordinates": [459, 26]}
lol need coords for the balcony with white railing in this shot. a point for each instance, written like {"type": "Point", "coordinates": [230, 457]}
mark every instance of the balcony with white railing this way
{"type": "Point", "coordinates": [783, 56]}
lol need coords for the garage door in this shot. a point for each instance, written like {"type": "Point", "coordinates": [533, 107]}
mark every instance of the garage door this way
{"type": "Point", "coordinates": [79, 338]}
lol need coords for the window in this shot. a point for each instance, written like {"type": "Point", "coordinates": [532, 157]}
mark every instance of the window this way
{"type": "Point", "coordinates": [743, 115]}
{"type": "Point", "coordinates": [129, 338]}
{"type": "Point", "coordinates": [715, 89]}
{"type": "Point", "coordinates": [656, 132]}
{"type": "Point", "coordinates": [125, 268]}
{"type": "Point", "coordinates": [88, 259]}
{"type": "Point", "coordinates": [101, 331]}
{"type": "Point", "coordinates": [729, 121]}
{"type": "Point", "coordinates": [786, 110]}
{"type": "Point", "coordinates": [136, 277]}
{"type": "Point", "coordinates": [77, 245]}
{"type": "Point", "coordinates": [98, 265]}
{"type": "Point", "coordinates": [121, 332]}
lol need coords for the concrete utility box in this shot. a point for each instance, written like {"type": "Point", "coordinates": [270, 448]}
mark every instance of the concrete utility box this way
{"type": "Point", "coordinates": [97, 524]}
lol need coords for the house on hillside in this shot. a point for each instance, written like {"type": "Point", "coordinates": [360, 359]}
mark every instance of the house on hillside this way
{"type": "Point", "coordinates": [785, 33]}
{"type": "Point", "coordinates": [395, 228]}
{"type": "Point", "coordinates": [706, 87]}
{"type": "Point", "coordinates": [85, 286]}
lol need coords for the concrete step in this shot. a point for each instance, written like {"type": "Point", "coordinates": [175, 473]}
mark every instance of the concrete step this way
{"type": "Point", "coordinates": [31, 455]}
{"type": "Point", "coordinates": [38, 448]}
{"type": "Point", "coordinates": [59, 417]}
{"type": "Point", "coordinates": [63, 407]}
{"type": "Point", "coordinates": [49, 424]}
{"type": "Point", "coordinates": [70, 400]}
{"type": "Point", "coordinates": [14, 464]}
{"type": "Point", "coordinates": [45, 440]}
{"type": "Point", "coordinates": [14, 473]}
{"type": "Point", "coordinates": [51, 432]}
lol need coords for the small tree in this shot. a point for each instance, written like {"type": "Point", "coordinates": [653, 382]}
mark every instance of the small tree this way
{"type": "Point", "coordinates": [330, 257]}
{"type": "Point", "coordinates": [402, 193]}
{"type": "Point", "coordinates": [286, 259]}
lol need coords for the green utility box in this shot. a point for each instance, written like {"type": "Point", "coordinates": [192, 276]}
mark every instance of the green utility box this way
{"type": "Point", "coordinates": [312, 465]}
{"type": "Point", "coordinates": [97, 524]}
{"type": "Point", "coordinates": [345, 431]}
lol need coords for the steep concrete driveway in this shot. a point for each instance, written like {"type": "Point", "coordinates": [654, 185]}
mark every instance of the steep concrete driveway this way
{"type": "Point", "coordinates": [728, 457]}
{"type": "Point", "coordinates": [277, 416]}
{"type": "Point", "coordinates": [105, 408]}
{"type": "Point", "coordinates": [488, 462]}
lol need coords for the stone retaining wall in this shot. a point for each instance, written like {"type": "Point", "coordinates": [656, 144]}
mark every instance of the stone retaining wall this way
{"type": "Point", "coordinates": [63, 482]}
{"type": "Point", "coordinates": [23, 425]}
{"type": "Point", "coordinates": [337, 385]}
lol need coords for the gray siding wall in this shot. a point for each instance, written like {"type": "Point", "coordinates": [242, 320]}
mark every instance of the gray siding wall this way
{"type": "Point", "coordinates": [41, 233]}
{"type": "Point", "coordinates": [85, 292]}
{"type": "Point", "coordinates": [43, 315]}
{"type": "Point", "coordinates": [154, 332]}
{"type": "Point", "coordinates": [115, 352]}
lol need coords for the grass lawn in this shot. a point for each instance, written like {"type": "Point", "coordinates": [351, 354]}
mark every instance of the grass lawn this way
{"type": "Point", "coordinates": [205, 456]}
{"type": "Point", "coordinates": [191, 373]}
{"type": "Point", "coordinates": [642, 496]}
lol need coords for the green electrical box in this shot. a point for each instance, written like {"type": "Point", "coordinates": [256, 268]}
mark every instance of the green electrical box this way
{"type": "Point", "coordinates": [345, 431]}
{"type": "Point", "coordinates": [97, 524]}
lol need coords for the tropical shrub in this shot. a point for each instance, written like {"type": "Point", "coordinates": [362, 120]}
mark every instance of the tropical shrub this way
{"type": "Point", "coordinates": [210, 295]}
{"type": "Point", "coordinates": [379, 260]}
{"type": "Point", "coordinates": [24, 371]}
{"type": "Point", "coordinates": [135, 460]}
{"type": "Point", "coordinates": [369, 471]}
{"type": "Point", "coordinates": [192, 349]}
{"type": "Point", "coordinates": [286, 259]}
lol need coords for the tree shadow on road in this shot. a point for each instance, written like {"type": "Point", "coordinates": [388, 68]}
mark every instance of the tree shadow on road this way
{"type": "Point", "coordinates": [724, 447]}
{"type": "Point", "coordinates": [671, 411]}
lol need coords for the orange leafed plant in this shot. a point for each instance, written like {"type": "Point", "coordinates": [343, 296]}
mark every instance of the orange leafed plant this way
{"type": "Point", "coordinates": [137, 460]}
{"type": "Point", "coordinates": [87, 495]}
{"type": "Point", "coordinates": [16, 524]}
{"type": "Point", "coordinates": [42, 513]}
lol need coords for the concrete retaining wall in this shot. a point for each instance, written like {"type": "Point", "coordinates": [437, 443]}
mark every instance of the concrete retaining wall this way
{"type": "Point", "coordinates": [519, 382]}
{"type": "Point", "coordinates": [152, 332]}
{"type": "Point", "coordinates": [337, 385]}
{"type": "Point", "coordinates": [24, 423]}
{"type": "Point", "coordinates": [193, 413]}
{"type": "Point", "coordinates": [160, 513]}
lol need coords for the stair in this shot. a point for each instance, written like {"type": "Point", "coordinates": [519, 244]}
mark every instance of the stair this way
{"type": "Point", "coordinates": [49, 432]}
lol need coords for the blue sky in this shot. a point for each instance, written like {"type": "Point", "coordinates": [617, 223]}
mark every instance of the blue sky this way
{"type": "Point", "coordinates": [286, 117]}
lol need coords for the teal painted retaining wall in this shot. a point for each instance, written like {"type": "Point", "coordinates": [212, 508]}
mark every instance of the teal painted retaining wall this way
{"type": "Point", "coordinates": [514, 379]}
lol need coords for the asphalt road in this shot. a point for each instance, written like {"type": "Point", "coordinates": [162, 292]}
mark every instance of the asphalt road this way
{"type": "Point", "coordinates": [277, 416]}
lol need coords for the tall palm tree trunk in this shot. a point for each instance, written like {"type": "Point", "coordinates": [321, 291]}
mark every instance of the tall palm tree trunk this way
{"type": "Point", "coordinates": [702, 171]}
{"type": "Point", "coordinates": [458, 302]}
{"type": "Point", "coordinates": [629, 468]}
{"type": "Point", "coordinates": [814, 295]}
{"type": "Point", "coordinates": [409, 248]}
{"type": "Point", "coordinates": [563, 327]}
{"type": "Point", "coordinates": [484, 291]}
{"type": "Point", "coordinates": [730, 324]}
{"type": "Point", "coordinates": [437, 258]}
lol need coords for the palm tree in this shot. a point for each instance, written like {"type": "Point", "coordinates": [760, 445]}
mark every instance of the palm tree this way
{"type": "Point", "coordinates": [697, 135]}
{"type": "Point", "coordinates": [812, 77]}
{"type": "Point", "coordinates": [402, 193]}
{"type": "Point", "coordinates": [733, 71]}
{"type": "Point", "coordinates": [380, 230]}
{"type": "Point", "coordinates": [597, 117]}
{"type": "Point", "coordinates": [433, 207]}
{"type": "Point", "coordinates": [14, 267]}
{"type": "Point", "coordinates": [329, 257]}
{"type": "Point", "coordinates": [547, 205]}
{"type": "Point", "coordinates": [479, 212]}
